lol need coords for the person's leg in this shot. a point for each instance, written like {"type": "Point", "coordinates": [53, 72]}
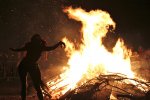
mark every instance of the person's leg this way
{"type": "Point", "coordinates": [39, 91]}
{"type": "Point", "coordinates": [36, 77]}
{"type": "Point", "coordinates": [22, 75]}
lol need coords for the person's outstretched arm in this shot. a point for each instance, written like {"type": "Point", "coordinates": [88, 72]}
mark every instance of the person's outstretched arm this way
{"type": "Point", "coordinates": [54, 46]}
{"type": "Point", "coordinates": [18, 49]}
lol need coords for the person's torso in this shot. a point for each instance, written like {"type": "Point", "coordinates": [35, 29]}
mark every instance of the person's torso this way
{"type": "Point", "coordinates": [34, 51]}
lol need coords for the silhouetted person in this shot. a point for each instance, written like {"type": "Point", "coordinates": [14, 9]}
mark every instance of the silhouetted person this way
{"type": "Point", "coordinates": [29, 64]}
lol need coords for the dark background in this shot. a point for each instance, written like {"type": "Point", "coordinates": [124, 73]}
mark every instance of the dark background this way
{"type": "Point", "coordinates": [20, 19]}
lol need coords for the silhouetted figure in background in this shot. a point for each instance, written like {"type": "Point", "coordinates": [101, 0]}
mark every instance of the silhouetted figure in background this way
{"type": "Point", "coordinates": [29, 64]}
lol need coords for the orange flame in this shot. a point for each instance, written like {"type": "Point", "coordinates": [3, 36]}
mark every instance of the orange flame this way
{"type": "Point", "coordinates": [92, 58]}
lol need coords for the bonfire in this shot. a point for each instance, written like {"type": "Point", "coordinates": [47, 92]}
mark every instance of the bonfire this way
{"type": "Point", "coordinates": [93, 72]}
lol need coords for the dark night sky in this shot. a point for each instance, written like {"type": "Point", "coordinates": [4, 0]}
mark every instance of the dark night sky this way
{"type": "Point", "coordinates": [20, 19]}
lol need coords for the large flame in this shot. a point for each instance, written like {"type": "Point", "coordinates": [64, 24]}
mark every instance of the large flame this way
{"type": "Point", "coordinates": [92, 58]}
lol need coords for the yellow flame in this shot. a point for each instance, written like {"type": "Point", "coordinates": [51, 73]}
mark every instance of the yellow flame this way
{"type": "Point", "coordinates": [92, 58]}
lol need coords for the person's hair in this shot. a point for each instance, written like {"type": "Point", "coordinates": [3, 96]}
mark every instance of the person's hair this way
{"type": "Point", "coordinates": [36, 37]}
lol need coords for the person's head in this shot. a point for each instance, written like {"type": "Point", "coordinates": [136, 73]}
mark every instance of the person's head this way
{"type": "Point", "coordinates": [36, 37]}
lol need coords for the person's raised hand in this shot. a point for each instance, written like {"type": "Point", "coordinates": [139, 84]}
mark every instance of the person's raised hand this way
{"type": "Point", "coordinates": [63, 45]}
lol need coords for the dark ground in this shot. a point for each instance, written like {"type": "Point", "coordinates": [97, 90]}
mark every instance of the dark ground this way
{"type": "Point", "coordinates": [9, 87]}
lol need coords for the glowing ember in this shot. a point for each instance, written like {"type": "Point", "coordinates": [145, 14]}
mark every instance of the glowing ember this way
{"type": "Point", "coordinates": [92, 58]}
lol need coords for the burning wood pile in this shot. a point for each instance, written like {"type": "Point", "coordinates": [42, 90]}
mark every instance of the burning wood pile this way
{"type": "Point", "coordinates": [104, 87]}
{"type": "Point", "coordinates": [87, 72]}
{"type": "Point", "coordinates": [113, 86]}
